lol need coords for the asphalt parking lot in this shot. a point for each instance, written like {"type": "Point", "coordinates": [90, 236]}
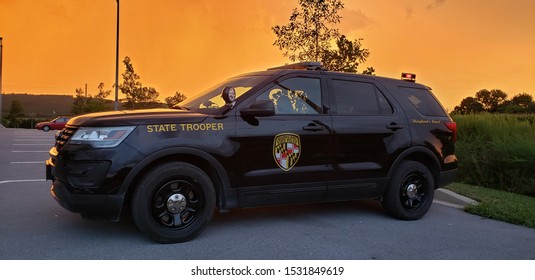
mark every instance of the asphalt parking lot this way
{"type": "Point", "coordinates": [34, 227]}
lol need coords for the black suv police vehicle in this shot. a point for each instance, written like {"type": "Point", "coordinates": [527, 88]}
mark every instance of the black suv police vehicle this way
{"type": "Point", "coordinates": [291, 134]}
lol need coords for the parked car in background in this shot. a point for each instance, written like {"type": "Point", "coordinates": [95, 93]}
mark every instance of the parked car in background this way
{"type": "Point", "coordinates": [55, 124]}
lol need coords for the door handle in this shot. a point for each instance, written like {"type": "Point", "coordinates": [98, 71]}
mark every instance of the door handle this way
{"type": "Point", "coordinates": [394, 126]}
{"type": "Point", "coordinates": [314, 127]}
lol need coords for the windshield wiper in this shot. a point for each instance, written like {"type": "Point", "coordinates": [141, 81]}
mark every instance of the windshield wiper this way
{"type": "Point", "coordinates": [180, 107]}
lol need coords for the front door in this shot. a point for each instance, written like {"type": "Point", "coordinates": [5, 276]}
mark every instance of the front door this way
{"type": "Point", "coordinates": [285, 158]}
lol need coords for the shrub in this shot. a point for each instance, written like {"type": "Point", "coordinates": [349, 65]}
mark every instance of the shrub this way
{"type": "Point", "coordinates": [497, 151]}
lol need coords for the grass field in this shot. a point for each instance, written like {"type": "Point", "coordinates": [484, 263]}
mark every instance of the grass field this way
{"type": "Point", "coordinates": [497, 151]}
{"type": "Point", "coordinates": [498, 205]}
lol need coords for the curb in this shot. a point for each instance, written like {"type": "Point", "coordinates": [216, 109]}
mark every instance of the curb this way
{"type": "Point", "coordinates": [449, 198]}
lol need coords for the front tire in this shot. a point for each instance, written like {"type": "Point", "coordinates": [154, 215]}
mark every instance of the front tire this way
{"type": "Point", "coordinates": [174, 202]}
{"type": "Point", "coordinates": [46, 128]}
{"type": "Point", "coordinates": [411, 191]}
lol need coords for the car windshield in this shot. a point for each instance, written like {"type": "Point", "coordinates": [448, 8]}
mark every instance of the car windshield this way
{"type": "Point", "coordinates": [211, 101]}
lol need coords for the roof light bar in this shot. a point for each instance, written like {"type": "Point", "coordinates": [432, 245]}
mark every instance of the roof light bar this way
{"type": "Point", "coordinates": [308, 65]}
{"type": "Point", "coordinates": [409, 77]}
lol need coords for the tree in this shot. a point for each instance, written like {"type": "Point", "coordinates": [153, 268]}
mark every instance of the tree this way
{"type": "Point", "coordinates": [86, 103]}
{"type": "Point", "coordinates": [131, 84]}
{"type": "Point", "coordinates": [16, 112]}
{"type": "Point", "coordinates": [522, 99]}
{"type": "Point", "coordinates": [520, 103]}
{"type": "Point", "coordinates": [102, 94]}
{"type": "Point", "coordinates": [175, 99]}
{"type": "Point", "coordinates": [135, 93]}
{"type": "Point", "coordinates": [148, 97]}
{"type": "Point", "coordinates": [469, 105]}
{"type": "Point", "coordinates": [78, 105]}
{"type": "Point", "coordinates": [492, 99]}
{"type": "Point", "coordinates": [347, 57]}
{"type": "Point", "coordinates": [495, 101]}
{"type": "Point", "coordinates": [310, 33]}
{"type": "Point", "coordinates": [509, 108]}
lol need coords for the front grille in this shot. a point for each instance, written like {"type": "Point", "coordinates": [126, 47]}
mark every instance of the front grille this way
{"type": "Point", "coordinates": [64, 136]}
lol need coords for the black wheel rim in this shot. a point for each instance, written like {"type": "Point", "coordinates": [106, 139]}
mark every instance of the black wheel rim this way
{"type": "Point", "coordinates": [178, 203]}
{"type": "Point", "coordinates": [414, 190]}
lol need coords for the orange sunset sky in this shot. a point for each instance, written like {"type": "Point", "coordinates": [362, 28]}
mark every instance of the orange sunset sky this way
{"type": "Point", "coordinates": [457, 47]}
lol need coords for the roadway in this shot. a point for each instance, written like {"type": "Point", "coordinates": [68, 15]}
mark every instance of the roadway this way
{"type": "Point", "coordinates": [34, 227]}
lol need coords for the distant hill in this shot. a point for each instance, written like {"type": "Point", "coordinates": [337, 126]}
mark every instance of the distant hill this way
{"type": "Point", "coordinates": [47, 106]}
{"type": "Point", "coordinates": [44, 106]}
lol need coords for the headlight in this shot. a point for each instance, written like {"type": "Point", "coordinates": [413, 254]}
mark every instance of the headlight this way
{"type": "Point", "coordinates": [101, 137]}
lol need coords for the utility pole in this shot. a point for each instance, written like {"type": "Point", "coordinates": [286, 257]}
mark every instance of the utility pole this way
{"type": "Point", "coordinates": [1, 48]}
{"type": "Point", "coordinates": [116, 104]}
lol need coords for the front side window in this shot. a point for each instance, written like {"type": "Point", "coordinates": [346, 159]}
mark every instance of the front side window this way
{"type": "Point", "coordinates": [211, 101]}
{"type": "Point", "coordinates": [358, 98]}
{"type": "Point", "coordinates": [295, 96]}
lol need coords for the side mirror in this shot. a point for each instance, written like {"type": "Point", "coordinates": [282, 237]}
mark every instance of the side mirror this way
{"type": "Point", "coordinates": [260, 108]}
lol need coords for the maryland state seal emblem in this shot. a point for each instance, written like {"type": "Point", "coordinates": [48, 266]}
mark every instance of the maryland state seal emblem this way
{"type": "Point", "coordinates": [286, 150]}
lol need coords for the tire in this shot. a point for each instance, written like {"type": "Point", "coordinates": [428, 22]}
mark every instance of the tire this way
{"type": "Point", "coordinates": [410, 193]}
{"type": "Point", "coordinates": [173, 203]}
{"type": "Point", "coordinates": [46, 128]}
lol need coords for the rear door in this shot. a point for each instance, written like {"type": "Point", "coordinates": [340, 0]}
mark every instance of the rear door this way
{"type": "Point", "coordinates": [368, 131]}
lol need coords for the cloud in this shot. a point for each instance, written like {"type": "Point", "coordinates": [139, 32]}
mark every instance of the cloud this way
{"type": "Point", "coordinates": [409, 11]}
{"type": "Point", "coordinates": [435, 4]}
{"type": "Point", "coordinates": [353, 20]}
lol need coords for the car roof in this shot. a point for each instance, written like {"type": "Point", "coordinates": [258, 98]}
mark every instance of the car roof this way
{"type": "Point", "coordinates": [293, 69]}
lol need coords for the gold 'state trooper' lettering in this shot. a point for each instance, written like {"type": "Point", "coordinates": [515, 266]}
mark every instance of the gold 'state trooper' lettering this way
{"type": "Point", "coordinates": [161, 128]}
{"type": "Point", "coordinates": [152, 128]}
{"type": "Point", "coordinates": [201, 126]}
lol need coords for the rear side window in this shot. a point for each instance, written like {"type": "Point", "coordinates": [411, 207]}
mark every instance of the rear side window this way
{"type": "Point", "coordinates": [358, 98]}
{"type": "Point", "coordinates": [424, 101]}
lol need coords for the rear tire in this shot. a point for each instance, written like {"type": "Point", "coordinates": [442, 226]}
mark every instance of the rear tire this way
{"type": "Point", "coordinates": [46, 128]}
{"type": "Point", "coordinates": [411, 191]}
{"type": "Point", "coordinates": [174, 202]}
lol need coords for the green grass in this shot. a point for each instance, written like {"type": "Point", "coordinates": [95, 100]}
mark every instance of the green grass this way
{"type": "Point", "coordinates": [497, 151]}
{"type": "Point", "coordinates": [498, 205]}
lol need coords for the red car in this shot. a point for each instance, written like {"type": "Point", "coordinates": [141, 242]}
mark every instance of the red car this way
{"type": "Point", "coordinates": [57, 123]}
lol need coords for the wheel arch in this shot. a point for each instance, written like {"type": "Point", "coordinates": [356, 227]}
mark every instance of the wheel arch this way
{"type": "Point", "coordinates": [422, 155]}
{"type": "Point", "coordinates": [193, 156]}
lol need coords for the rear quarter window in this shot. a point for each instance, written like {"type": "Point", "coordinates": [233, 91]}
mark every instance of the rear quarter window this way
{"type": "Point", "coordinates": [423, 100]}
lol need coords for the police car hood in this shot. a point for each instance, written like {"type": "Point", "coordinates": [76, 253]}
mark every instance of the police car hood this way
{"type": "Point", "coordinates": [136, 117]}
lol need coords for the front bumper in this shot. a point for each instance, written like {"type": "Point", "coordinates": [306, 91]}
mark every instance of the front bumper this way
{"type": "Point", "coordinates": [90, 206]}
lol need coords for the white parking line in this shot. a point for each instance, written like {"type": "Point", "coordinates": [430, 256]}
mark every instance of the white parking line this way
{"type": "Point", "coordinates": [22, 181]}
{"type": "Point", "coordinates": [29, 151]}
{"type": "Point", "coordinates": [21, 140]}
{"type": "Point", "coordinates": [48, 144]}
{"type": "Point", "coordinates": [27, 162]}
